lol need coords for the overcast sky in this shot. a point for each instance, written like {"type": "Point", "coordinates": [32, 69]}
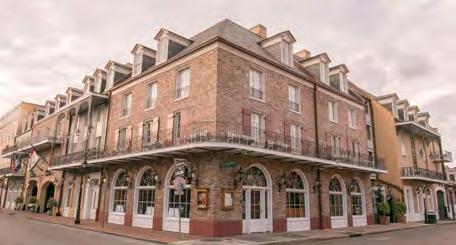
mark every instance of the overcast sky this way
{"type": "Point", "coordinates": [408, 47]}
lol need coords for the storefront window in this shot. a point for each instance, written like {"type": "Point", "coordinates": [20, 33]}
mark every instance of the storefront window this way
{"type": "Point", "coordinates": [336, 196]}
{"type": "Point", "coordinates": [296, 196]}
{"type": "Point", "coordinates": [146, 193]}
{"type": "Point", "coordinates": [119, 189]}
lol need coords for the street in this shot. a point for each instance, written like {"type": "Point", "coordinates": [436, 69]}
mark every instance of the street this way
{"type": "Point", "coordinates": [433, 235]}
{"type": "Point", "coordinates": [18, 230]}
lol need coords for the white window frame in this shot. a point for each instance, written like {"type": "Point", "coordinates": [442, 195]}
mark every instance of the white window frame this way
{"type": "Point", "coordinates": [294, 96]}
{"type": "Point", "coordinates": [333, 114]}
{"type": "Point", "coordinates": [182, 86]}
{"type": "Point", "coordinates": [257, 127]}
{"type": "Point", "coordinates": [151, 101]}
{"type": "Point", "coordinates": [137, 63]}
{"type": "Point", "coordinates": [296, 138]}
{"type": "Point", "coordinates": [143, 220]}
{"type": "Point", "coordinates": [286, 53]}
{"type": "Point", "coordinates": [352, 118]}
{"type": "Point", "coordinates": [128, 95]}
{"type": "Point", "coordinates": [162, 50]}
{"type": "Point", "coordinates": [257, 84]}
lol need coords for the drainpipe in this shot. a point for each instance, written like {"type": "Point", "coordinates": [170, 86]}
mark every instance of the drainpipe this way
{"type": "Point", "coordinates": [317, 151]}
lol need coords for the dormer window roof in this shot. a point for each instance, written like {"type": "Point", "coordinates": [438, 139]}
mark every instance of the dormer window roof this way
{"type": "Point", "coordinates": [281, 47]}
{"type": "Point", "coordinates": [317, 65]}
{"type": "Point", "coordinates": [389, 102]}
{"type": "Point", "coordinates": [89, 84]}
{"type": "Point", "coordinates": [73, 94]}
{"type": "Point", "coordinates": [60, 101]}
{"type": "Point", "coordinates": [100, 80]}
{"type": "Point", "coordinates": [143, 58]}
{"type": "Point", "coordinates": [116, 72]}
{"type": "Point", "coordinates": [338, 78]}
{"type": "Point", "coordinates": [49, 107]}
{"type": "Point", "coordinates": [169, 44]}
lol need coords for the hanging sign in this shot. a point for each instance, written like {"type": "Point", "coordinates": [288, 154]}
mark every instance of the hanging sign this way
{"type": "Point", "coordinates": [179, 184]}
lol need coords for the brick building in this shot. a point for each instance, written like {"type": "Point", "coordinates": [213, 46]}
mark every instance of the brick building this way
{"type": "Point", "coordinates": [226, 132]}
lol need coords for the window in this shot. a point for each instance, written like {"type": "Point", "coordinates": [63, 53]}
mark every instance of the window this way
{"type": "Point", "coordinates": [146, 193]}
{"type": "Point", "coordinates": [335, 145]}
{"type": "Point", "coordinates": [137, 67]}
{"type": "Point", "coordinates": [294, 98]}
{"type": "Point", "coordinates": [183, 83]}
{"type": "Point", "coordinates": [336, 196]}
{"type": "Point", "coordinates": [332, 110]}
{"type": "Point", "coordinates": [152, 92]}
{"type": "Point", "coordinates": [403, 149]}
{"type": "Point", "coordinates": [296, 196]}
{"type": "Point", "coordinates": [122, 141]}
{"type": "Point", "coordinates": [334, 81]}
{"type": "Point", "coordinates": [409, 196]}
{"type": "Point", "coordinates": [411, 117]}
{"type": "Point", "coordinates": [452, 177]}
{"type": "Point", "coordinates": [126, 105]}
{"type": "Point", "coordinates": [256, 84]}
{"type": "Point", "coordinates": [400, 114]}
{"type": "Point", "coordinates": [296, 143]}
{"type": "Point", "coordinates": [119, 196]}
{"type": "Point", "coordinates": [355, 150]}
{"type": "Point", "coordinates": [176, 127]}
{"type": "Point", "coordinates": [162, 50]}
{"type": "Point", "coordinates": [257, 127]}
{"type": "Point", "coordinates": [352, 118]}
{"type": "Point", "coordinates": [287, 53]}
{"type": "Point", "coordinates": [356, 198]}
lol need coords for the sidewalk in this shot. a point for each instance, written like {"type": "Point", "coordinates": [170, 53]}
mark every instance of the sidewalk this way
{"type": "Point", "coordinates": [163, 237]}
{"type": "Point", "coordinates": [246, 239]}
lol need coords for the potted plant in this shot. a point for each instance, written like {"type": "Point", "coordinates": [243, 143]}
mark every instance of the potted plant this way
{"type": "Point", "coordinates": [32, 204]}
{"type": "Point", "coordinates": [400, 209]}
{"type": "Point", "coordinates": [383, 209]}
{"type": "Point", "coordinates": [51, 204]}
{"type": "Point", "coordinates": [18, 201]}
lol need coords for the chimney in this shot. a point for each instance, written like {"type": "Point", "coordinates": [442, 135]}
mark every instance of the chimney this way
{"type": "Point", "coordinates": [303, 54]}
{"type": "Point", "coordinates": [260, 30]}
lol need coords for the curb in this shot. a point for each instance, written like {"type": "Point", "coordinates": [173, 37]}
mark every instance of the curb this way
{"type": "Point", "coordinates": [99, 231]}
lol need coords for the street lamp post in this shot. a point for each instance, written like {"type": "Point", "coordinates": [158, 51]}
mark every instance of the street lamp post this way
{"type": "Point", "coordinates": [78, 210]}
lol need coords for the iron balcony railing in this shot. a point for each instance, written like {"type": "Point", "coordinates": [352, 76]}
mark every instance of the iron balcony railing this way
{"type": "Point", "coordinates": [222, 132]}
{"type": "Point", "coordinates": [74, 157]}
{"type": "Point", "coordinates": [44, 137]}
{"type": "Point", "coordinates": [421, 172]}
{"type": "Point", "coordinates": [9, 148]}
{"type": "Point", "coordinates": [446, 157]}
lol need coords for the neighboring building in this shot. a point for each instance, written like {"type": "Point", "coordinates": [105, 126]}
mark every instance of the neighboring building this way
{"type": "Point", "coordinates": [14, 128]}
{"type": "Point", "coordinates": [451, 187]}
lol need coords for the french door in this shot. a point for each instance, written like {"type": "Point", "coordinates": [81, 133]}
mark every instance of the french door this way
{"type": "Point", "coordinates": [256, 210]}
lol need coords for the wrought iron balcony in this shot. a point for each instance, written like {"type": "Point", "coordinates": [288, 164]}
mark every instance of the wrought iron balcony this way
{"type": "Point", "coordinates": [421, 173]}
{"type": "Point", "coordinates": [446, 157]}
{"type": "Point", "coordinates": [221, 135]}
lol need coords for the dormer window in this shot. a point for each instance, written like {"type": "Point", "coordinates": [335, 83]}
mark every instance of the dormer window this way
{"type": "Point", "coordinates": [334, 81]}
{"type": "Point", "coordinates": [143, 59]}
{"type": "Point", "coordinates": [411, 117]}
{"type": "Point", "coordinates": [169, 44]}
{"type": "Point", "coordinates": [281, 47]}
{"type": "Point", "coordinates": [317, 65]}
{"type": "Point", "coordinates": [137, 63]}
{"type": "Point", "coordinates": [400, 114]}
{"type": "Point", "coordinates": [116, 72]}
{"type": "Point", "coordinates": [338, 78]}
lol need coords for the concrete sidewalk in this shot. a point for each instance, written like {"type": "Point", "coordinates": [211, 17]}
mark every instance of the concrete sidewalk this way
{"type": "Point", "coordinates": [247, 239]}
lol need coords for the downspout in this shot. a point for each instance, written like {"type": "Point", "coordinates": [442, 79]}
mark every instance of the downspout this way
{"type": "Point", "coordinates": [99, 196]}
{"type": "Point", "coordinates": [317, 151]}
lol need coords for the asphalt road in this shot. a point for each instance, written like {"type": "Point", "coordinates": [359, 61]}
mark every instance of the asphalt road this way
{"type": "Point", "coordinates": [433, 235]}
{"type": "Point", "coordinates": [18, 230]}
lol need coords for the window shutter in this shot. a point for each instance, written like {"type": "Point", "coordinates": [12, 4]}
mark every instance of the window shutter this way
{"type": "Point", "coordinates": [116, 139]}
{"type": "Point", "coordinates": [154, 130]}
{"type": "Point", "coordinates": [169, 127]}
{"type": "Point", "coordinates": [268, 128]}
{"type": "Point", "coordinates": [246, 122]}
{"type": "Point", "coordinates": [304, 144]}
{"type": "Point", "coordinates": [86, 132]}
{"type": "Point", "coordinates": [140, 131]}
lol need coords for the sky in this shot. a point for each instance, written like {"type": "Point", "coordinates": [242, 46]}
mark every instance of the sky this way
{"type": "Point", "coordinates": [406, 46]}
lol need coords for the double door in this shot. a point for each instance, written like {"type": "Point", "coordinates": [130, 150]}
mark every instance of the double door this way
{"type": "Point", "coordinates": [257, 216]}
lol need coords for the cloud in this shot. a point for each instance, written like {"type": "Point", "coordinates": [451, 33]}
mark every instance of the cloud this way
{"type": "Point", "coordinates": [389, 46]}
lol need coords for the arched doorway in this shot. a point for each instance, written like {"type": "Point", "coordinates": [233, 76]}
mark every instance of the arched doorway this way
{"type": "Point", "coordinates": [257, 200]}
{"type": "Point", "coordinates": [49, 193]}
{"type": "Point", "coordinates": [144, 205]}
{"type": "Point", "coordinates": [118, 204]}
{"type": "Point", "coordinates": [441, 204]}
{"type": "Point", "coordinates": [358, 204]}
{"type": "Point", "coordinates": [297, 202]}
{"type": "Point", "coordinates": [337, 202]}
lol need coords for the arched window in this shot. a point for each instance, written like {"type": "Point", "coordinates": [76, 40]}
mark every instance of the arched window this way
{"type": "Point", "coordinates": [296, 190]}
{"type": "Point", "coordinates": [119, 189]}
{"type": "Point", "coordinates": [255, 177]}
{"type": "Point", "coordinates": [146, 193]}
{"type": "Point", "coordinates": [356, 198]}
{"type": "Point", "coordinates": [182, 202]}
{"type": "Point", "coordinates": [336, 198]}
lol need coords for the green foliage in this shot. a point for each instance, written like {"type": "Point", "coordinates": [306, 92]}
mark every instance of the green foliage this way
{"type": "Point", "coordinates": [51, 203]}
{"type": "Point", "coordinates": [19, 200]}
{"type": "Point", "coordinates": [32, 200]}
{"type": "Point", "coordinates": [400, 208]}
{"type": "Point", "coordinates": [383, 208]}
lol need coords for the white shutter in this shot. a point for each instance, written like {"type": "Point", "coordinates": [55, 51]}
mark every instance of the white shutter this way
{"type": "Point", "coordinates": [154, 130]}
{"type": "Point", "coordinates": [99, 129]}
{"type": "Point", "coordinates": [116, 139]}
{"type": "Point", "coordinates": [330, 112]}
{"type": "Point", "coordinates": [86, 132]}
{"type": "Point", "coordinates": [169, 126]}
{"type": "Point", "coordinates": [140, 130]}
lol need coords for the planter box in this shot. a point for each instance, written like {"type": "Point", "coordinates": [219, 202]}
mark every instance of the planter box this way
{"type": "Point", "coordinates": [401, 219]}
{"type": "Point", "coordinates": [384, 220]}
